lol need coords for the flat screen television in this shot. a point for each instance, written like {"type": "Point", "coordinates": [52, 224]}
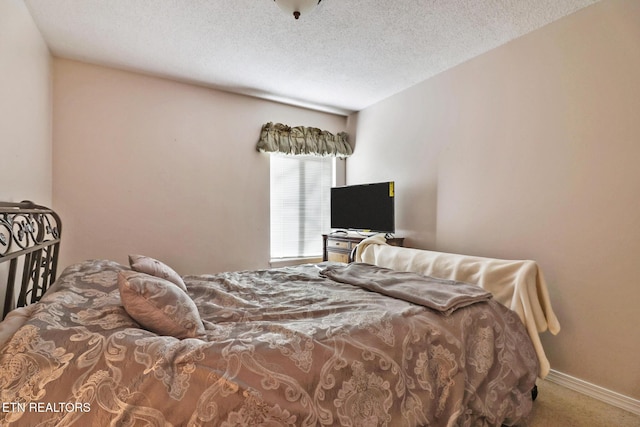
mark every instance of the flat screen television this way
{"type": "Point", "coordinates": [365, 207]}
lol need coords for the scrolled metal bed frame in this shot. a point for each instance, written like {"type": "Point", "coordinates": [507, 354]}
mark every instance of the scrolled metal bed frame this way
{"type": "Point", "coordinates": [30, 237]}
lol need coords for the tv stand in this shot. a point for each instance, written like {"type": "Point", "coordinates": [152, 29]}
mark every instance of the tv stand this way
{"type": "Point", "coordinates": [340, 247]}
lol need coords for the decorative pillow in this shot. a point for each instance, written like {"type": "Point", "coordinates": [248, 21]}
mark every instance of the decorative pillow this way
{"type": "Point", "coordinates": [159, 306]}
{"type": "Point", "coordinates": [145, 264]}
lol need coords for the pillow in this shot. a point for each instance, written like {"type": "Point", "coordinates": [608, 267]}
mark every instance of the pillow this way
{"type": "Point", "coordinates": [159, 306]}
{"type": "Point", "coordinates": [145, 264]}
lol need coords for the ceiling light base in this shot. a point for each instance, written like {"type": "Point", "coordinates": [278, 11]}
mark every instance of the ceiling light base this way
{"type": "Point", "coordinates": [297, 8]}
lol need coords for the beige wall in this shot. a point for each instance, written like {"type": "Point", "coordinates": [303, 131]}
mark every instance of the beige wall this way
{"type": "Point", "coordinates": [532, 151]}
{"type": "Point", "coordinates": [25, 107]}
{"type": "Point", "coordinates": [166, 169]}
{"type": "Point", "coordinates": [25, 112]}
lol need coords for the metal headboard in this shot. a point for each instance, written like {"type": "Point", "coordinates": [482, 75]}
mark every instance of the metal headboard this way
{"type": "Point", "coordinates": [30, 237]}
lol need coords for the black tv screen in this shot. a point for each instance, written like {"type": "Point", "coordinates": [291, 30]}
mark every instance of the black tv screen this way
{"type": "Point", "coordinates": [366, 207]}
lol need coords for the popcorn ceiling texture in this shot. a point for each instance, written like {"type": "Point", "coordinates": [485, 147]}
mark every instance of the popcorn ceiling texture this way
{"type": "Point", "coordinates": [342, 57]}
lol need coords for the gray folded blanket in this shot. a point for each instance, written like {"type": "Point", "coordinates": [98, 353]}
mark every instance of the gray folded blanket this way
{"type": "Point", "coordinates": [443, 295]}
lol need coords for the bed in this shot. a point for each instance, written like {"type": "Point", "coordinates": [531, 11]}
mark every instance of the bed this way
{"type": "Point", "coordinates": [318, 344]}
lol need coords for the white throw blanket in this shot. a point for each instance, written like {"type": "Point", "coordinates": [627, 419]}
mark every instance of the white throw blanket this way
{"type": "Point", "coordinates": [519, 285]}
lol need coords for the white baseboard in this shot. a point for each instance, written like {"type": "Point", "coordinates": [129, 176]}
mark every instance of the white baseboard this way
{"type": "Point", "coordinates": [604, 395]}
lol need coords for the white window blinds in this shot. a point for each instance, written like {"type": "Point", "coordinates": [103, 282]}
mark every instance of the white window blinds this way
{"type": "Point", "coordinates": [300, 204]}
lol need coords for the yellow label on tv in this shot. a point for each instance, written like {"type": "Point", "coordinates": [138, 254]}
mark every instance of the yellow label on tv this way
{"type": "Point", "coordinates": [391, 190]}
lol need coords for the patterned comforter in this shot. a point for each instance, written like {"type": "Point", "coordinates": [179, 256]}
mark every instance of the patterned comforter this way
{"type": "Point", "coordinates": [283, 347]}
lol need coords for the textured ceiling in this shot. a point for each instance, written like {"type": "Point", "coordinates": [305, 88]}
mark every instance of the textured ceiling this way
{"type": "Point", "coordinates": [342, 57]}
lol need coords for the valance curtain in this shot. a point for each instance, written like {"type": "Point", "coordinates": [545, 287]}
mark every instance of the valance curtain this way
{"type": "Point", "coordinates": [302, 141]}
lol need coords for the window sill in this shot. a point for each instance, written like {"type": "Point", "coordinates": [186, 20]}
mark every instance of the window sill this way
{"type": "Point", "coordinates": [286, 262]}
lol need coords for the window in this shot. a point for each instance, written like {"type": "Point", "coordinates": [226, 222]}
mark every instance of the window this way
{"type": "Point", "coordinates": [300, 204]}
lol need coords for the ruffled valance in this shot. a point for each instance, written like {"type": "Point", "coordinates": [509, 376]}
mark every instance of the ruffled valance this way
{"type": "Point", "coordinates": [302, 141]}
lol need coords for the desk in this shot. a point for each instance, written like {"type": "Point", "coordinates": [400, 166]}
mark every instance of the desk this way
{"type": "Point", "coordinates": [339, 247]}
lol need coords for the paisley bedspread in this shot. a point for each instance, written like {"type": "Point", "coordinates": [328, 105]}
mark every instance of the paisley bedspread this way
{"type": "Point", "coordinates": [283, 347]}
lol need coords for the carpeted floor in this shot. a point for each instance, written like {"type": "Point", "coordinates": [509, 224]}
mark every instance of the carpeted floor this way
{"type": "Point", "coordinates": [559, 406]}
